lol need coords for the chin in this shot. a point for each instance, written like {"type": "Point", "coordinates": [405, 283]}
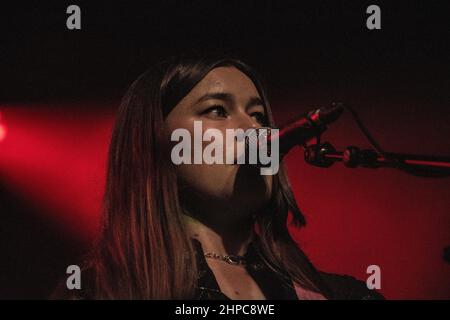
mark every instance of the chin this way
{"type": "Point", "coordinates": [248, 193]}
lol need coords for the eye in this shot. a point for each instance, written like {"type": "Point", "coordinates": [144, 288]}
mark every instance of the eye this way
{"type": "Point", "coordinates": [260, 117]}
{"type": "Point", "coordinates": [216, 111]}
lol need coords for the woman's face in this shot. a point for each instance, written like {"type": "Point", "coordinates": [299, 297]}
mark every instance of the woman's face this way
{"type": "Point", "coordinates": [224, 99]}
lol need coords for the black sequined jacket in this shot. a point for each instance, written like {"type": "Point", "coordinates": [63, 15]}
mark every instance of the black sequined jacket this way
{"type": "Point", "coordinates": [273, 287]}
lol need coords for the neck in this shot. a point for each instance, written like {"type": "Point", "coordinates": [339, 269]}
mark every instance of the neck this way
{"type": "Point", "coordinates": [221, 238]}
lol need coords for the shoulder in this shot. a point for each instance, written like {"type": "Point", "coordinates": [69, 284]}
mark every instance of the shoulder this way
{"type": "Point", "coordinates": [344, 287]}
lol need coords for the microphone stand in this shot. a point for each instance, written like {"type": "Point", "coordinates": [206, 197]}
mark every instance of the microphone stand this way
{"type": "Point", "coordinates": [325, 155]}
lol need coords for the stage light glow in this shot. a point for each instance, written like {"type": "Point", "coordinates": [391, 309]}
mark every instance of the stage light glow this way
{"type": "Point", "coordinates": [56, 159]}
{"type": "Point", "coordinates": [3, 129]}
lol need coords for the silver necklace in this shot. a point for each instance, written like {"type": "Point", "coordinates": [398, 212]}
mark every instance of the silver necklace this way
{"type": "Point", "coordinates": [230, 259]}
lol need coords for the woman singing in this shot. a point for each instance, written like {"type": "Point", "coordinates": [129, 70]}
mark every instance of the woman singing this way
{"type": "Point", "coordinates": [198, 231]}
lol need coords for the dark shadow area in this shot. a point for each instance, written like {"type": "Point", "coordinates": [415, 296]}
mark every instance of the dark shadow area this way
{"type": "Point", "coordinates": [34, 253]}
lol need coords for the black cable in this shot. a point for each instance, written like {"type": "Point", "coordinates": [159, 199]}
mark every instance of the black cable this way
{"type": "Point", "coordinates": [366, 132]}
{"type": "Point", "coordinates": [398, 163]}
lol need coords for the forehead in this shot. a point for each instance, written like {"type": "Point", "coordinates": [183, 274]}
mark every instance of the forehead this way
{"type": "Point", "coordinates": [226, 79]}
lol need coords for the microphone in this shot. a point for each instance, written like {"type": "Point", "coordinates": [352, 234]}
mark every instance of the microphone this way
{"type": "Point", "coordinates": [296, 132]}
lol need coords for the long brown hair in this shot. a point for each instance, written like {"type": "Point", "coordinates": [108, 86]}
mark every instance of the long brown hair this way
{"type": "Point", "coordinates": [144, 251]}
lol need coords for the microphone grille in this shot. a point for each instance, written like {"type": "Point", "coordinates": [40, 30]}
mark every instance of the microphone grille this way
{"type": "Point", "coordinates": [258, 134]}
{"type": "Point", "coordinates": [259, 138]}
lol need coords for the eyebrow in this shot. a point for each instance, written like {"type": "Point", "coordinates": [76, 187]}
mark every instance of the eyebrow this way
{"type": "Point", "coordinates": [255, 101]}
{"type": "Point", "coordinates": [227, 97]}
